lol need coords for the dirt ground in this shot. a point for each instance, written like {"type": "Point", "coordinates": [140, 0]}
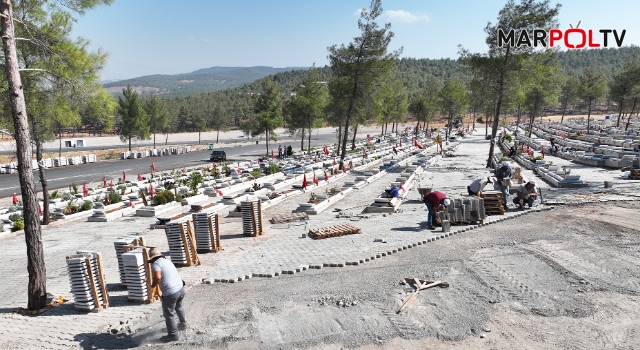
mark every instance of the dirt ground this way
{"type": "Point", "coordinates": [561, 279]}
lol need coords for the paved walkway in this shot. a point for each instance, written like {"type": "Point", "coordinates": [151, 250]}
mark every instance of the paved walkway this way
{"type": "Point", "coordinates": [280, 249]}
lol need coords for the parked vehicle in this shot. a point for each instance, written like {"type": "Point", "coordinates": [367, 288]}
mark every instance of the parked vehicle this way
{"type": "Point", "coordinates": [217, 156]}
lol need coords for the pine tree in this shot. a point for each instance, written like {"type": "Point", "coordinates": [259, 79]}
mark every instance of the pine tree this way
{"type": "Point", "coordinates": [135, 122]}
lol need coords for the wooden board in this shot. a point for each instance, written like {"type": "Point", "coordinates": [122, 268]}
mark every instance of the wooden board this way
{"type": "Point", "coordinates": [278, 219]}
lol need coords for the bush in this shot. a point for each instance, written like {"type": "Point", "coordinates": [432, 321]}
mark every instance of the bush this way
{"type": "Point", "coordinates": [114, 197]}
{"type": "Point", "coordinates": [256, 173]}
{"type": "Point", "coordinates": [272, 169]}
{"type": "Point", "coordinates": [194, 181]}
{"type": "Point", "coordinates": [87, 205]}
{"type": "Point", "coordinates": [18, 225]}
{"type": "Point", "coordinates": [163, 197]}
{"type": "Point", "coordinates": [179, 198]}
{"type": "Point", "coordinates": [74, 188]}
{"type": "Point", "coordinates": [538, 158]}
{"type": "Point", "coordinates": [55, 195]}
{"type": "Point", "coordinates": [15, 217]}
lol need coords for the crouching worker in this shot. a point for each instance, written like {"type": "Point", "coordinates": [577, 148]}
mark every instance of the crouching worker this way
{"type": "Point", "coordinates": [527, 193]}
{"type": "Point", "coordinates": [478, 185]}
{"type": "Point", "coordinates": [433, 201]}
{"type": "Point", "coordinates": [392, 193]}
{"type": "Point", "coordinates": [165, 275]}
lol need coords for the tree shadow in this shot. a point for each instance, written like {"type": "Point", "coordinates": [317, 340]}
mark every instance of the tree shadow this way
{"type": "Point", "coordinates": [108, 340]}
{"type": "Point", "coordinates": [237, 235]}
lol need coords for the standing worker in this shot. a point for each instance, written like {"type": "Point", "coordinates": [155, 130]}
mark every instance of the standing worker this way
{"type": "Point", "coordinates": [433, 200]}
{"type": "Point", "coordinates": [526, 193]}
{"type": "Point", "coordinates": [503, 174]}
{"type": "Point", "coordinates": [171, 285]}
{"type": "Point", "coordinates": [476, 187]}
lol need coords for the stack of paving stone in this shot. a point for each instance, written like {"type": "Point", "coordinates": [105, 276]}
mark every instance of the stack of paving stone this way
{"type": "Point", "coordinates": [493, 202]}
{"type": "Point", "coordinates": [119, 245]}
{"type": "Point", "coordinates": [207, 230]}
{"type": "Point", "coordinates": [137, 275]}
{"type": "Point", "coordinates": [252, 218]}
{"type": "Point", "coordinates": [476, 209]}
{"type": "Point", "coordinates": [181, 244]}
{"type": "Point", "coordinates": [88, 285]}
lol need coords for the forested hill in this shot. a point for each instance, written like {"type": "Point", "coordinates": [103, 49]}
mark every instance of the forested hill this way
{"type": "Point", "coordinates": [411, 71]}
{"type": "Point", "coordinates": [611, 59]}
{"type": "Point", "coordinates": [198, 82]}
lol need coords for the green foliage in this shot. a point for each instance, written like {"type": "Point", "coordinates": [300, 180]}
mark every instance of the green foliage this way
{"type": "Point", "coordinates": [114, 197]}
{"type": "Point", "coordinates": [18, 225]}
{"type": "Point", "coordinates": [15, 217]}
{"type": "Point", "coordinates": [134, 121]}
{"type": "Point", "coordinates": [452, 99]}
{"type": "Point", "coordinates": [74, 188]}
{"type": "Point", "coordinates": [55, 194]}
{"type": "Point", "coordinates": [308, 106]}
{"type": "Point", "coordinates": [592, 88]}
{"type": "Point", "coordinates": [179, 198]}
{"type": "Point", "coordinates": [87, 205]}
{"type": "Point", "coordinates": [163, 197]}
{"type": "Point", "coordinates": [156, 110]}
{"type": "Point", "coordinates": [271, 169]}
{"type": "Point", "coordinates": [195, 179]}
{"type": "Point", "coordinates": [256, 173]}
{"type": "Point", "coordinates": [423, 105]}
{"type": "Point", "coordinates": [538, 158]}
{"type": "Point", "coordinates": [267, 110]}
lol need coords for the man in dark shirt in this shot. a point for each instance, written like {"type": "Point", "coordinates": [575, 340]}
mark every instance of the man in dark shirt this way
{"type": "Point", "coordinates": [433, 200]}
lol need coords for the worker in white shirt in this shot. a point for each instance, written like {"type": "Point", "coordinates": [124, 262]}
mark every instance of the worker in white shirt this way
{"type": "Point", "coordinates": [478, 185]}
{"type": "Point", "coordinates": [527, 193]}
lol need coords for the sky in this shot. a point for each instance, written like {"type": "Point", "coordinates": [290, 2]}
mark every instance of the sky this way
{"type": "Point", "coordinates": [145, 37]}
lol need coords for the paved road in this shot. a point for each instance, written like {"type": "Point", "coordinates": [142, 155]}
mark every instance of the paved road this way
{"type": "Point", "coordinates": [65, 176]}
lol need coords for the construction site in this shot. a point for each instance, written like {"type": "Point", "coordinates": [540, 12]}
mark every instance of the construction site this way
{"type": "Point", "coordinates": [316, 257]}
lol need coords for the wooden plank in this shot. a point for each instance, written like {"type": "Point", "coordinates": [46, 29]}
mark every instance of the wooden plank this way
{"type": "Point", "coordinates": [253, 217]}
{"type": "Point", "coordinates": [260, 217]}
{"type": "Point", "coordinates": [192, 242]}
{"type": "Point", "coordinates": [103, 283]}
{"type": "Point", "coordinates": [218, 247]}
{"type": "Point", "coordinates": [185, 246]}
{"type": "Point", "coordinates": [144, 198]}
{"type": "Point", "coordinates": [147, 273]}
{"type": "Point", "coordinates": [94, 290]}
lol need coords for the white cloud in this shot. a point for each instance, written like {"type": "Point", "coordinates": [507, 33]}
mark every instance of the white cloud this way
{"type": "Point", "coordinates": [405, 16]}
{"type": "Point", "coordinates": [358, 12]}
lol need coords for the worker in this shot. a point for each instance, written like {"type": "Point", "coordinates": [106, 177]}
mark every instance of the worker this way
{"type": "Point", "coordinates": [476, 187]}
{"type": "Point", "coordinates": [512, 151]}
{"type": "Point", "coordinates": [392, 193]}
{"type": "Point", "coordinates": [503, 173]}
{"type": "Point", "coordinates": [435, 201]}
{"type": "Point", "coordinates": [171, 285]}
{"type": "Point", "coordinates": [527, 193]}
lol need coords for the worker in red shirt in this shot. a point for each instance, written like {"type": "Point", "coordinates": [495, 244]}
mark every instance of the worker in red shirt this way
{"type": "Point", "coordinates": [433, 200]}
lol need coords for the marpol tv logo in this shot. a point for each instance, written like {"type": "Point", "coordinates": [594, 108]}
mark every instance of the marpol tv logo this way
{"type": "Point", "coordinates": [572, 38]}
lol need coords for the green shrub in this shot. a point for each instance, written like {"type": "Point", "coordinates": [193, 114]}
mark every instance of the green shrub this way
{"type": "Point", "coordinates": [194, 181]}
{"type": "Point", "coordinates": [87, 205]}
{"type": "Point", "coordinates": [18, 225]}
{"type": "Point", "coordinates": [256, 173]}
{"type": "Point", "coordinates": [163, 197]}
{"type": "Point", "coordinates": [55, 195]}
{"type": "Point", "coordinates": [272, 169]}
{"type": "Point", "coordinates": [74, 188]}
{"type": "Point", "coordinates": [538, 158]}
{"type": "Point", "coordinates": [179, 198]}
{"type": "Point", "coordinates": [114, 197]}
{"type": "Point", "coordinates": [15, 217]}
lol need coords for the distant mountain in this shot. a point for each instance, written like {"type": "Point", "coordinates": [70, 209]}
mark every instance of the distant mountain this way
{"type": "Point", "coordinates": [107, 81]}
{"type": "Point", "coordinates": [197, 82]}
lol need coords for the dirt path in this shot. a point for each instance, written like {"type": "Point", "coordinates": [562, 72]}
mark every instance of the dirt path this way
{"type": "Point", "coordinates": [564, 279]}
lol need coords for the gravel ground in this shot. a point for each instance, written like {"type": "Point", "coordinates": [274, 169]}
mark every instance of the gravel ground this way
{"type": "Point", "coordinates": [565, 278]}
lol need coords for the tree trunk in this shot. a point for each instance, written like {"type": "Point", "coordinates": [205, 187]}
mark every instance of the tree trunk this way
{"type": "Point", "coordinates": [309, 138]}
{"type": "Point", "coordinates": [620, 113]}
{"type": "Point", "coordinates": [43, 181]}
{"type": "Point", "coordinates": [635, 102]}
{"type": "Point", "coordinates": [154, 140]}
{"type": "Point", "coordinates": [60, 147]}
{"type": "Point", "coordinates": [199, 138]}
{"type": "Point", "coordinates": [266, 138]}
{"type": "Point", "coordinates": [564, 109]}
{"type": "Point", "coordinates": [496, 118]}
{"type": "Point", "coordinates": [589, 119]}
{"type": "Point", "coordinates": [218, 136]}
{"type": "Point", "coordinates": [517, 123]}
{"type": "Point", "coordinates": [129, 143]}
{"type": "Point", "coordinates": [339, 135]}
{"type": "Point", "coordinates": [302, 141]}
{"type": "Point", "coordinates": [353, 140]}
{"type": "Point", "coordinates": [37, 289]}
{"type": "Point", "coordinates": [474, 119]}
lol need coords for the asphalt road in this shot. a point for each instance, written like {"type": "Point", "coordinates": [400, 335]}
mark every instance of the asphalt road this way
{"type": "Point", "coordinates": [63, 177]}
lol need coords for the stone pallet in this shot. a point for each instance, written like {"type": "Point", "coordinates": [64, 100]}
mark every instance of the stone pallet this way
{"type": "Point", "coordinates": [493, 201]}
{"type": "Point", "coordinates": [207, 231]}
{"type": "Point", "coordinates": [119, 245]}
{"type": "Point", "coordinates": [86, 277]}
{"type": "Point", "coordinates": [181, 244]}
{"type": "Point", "coordinates": [252, 218]}
{"type": "Point", "coordinates": [334, 231]}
